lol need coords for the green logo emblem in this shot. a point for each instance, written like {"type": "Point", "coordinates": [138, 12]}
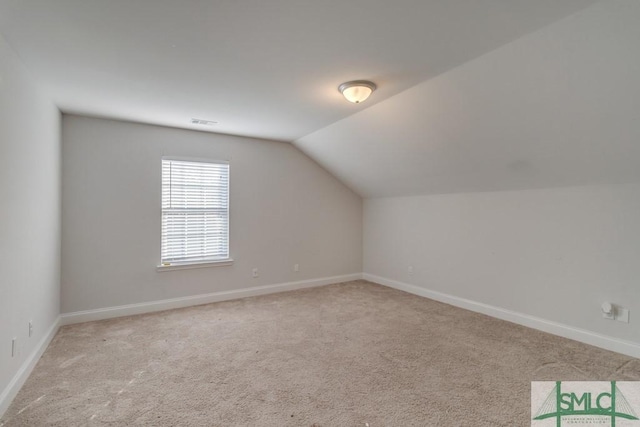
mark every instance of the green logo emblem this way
{"type": "Point", "coordinates": [609, 403]}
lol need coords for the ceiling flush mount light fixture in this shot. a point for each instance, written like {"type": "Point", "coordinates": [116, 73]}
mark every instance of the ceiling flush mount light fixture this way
{"type": "Point", "coordinates": [357, 90]}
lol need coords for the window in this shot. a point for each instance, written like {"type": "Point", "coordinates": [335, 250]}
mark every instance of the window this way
{"type": "Point", "coordinates": [195, 212]}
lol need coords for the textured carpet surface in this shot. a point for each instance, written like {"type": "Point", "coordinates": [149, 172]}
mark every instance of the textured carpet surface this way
{"type": "Point", "coordinates": [350, 354]}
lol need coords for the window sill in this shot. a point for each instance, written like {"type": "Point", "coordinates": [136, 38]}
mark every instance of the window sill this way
{"type": "Point", "coordinates": [199, 264]}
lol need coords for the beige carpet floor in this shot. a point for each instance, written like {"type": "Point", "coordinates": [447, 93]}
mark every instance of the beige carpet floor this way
{"type": "Point", "coordinates": [350, 354]}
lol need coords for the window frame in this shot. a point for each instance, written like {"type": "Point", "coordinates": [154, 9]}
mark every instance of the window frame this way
{"type": "Point", "coordinates": [199, 263]}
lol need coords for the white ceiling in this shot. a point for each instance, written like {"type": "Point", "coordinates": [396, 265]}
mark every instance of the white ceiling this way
{"type": "Point", "coordinates": [260, 68]}
{"type": "Point", "coordinates": [557, 107]}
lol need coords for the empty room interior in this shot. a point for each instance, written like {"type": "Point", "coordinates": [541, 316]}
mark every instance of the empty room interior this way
{"type": "Point", "coordinates": [319, 213]}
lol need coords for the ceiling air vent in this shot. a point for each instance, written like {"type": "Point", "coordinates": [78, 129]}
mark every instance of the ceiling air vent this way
{"type": "Point", "coordinates": [203, 122]}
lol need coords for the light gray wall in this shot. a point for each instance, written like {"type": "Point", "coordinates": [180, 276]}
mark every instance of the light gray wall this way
{"type": "Point", "coordinates": [557, 108]}
{"type": "Point", "coordinates": [30, 213]}
{"type": "Point", "coordinates": [285, 209]}
{"type": "Point", "coordinates": [552, 253]}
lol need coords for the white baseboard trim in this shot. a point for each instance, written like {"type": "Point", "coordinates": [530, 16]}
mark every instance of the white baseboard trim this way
{"type": "Point", "coordinates": [588, 337]}
{"type": "Point", "coordinates": [16, 383]}
{"type": "Point", "coordinates": [168, 304]}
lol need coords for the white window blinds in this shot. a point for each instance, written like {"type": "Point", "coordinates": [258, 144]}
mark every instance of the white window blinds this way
{"type": "Point", "coordinates": [195, 212]}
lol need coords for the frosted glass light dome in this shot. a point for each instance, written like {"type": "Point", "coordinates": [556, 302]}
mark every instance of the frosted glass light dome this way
{"type": "Point", "coordinates": [357, 90]}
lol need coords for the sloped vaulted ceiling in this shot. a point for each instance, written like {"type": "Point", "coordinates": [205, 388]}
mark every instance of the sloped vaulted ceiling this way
{"type": "Point", "coordinates": [267, 69]}
{"type": "Point", "coordinates": [473, 95]}
{"type": "Point", "coordinates": [557, 107]}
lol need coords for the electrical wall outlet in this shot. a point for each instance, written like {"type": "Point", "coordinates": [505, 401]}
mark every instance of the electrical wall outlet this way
{"type": "Point", "coordinates": [410, 270]}
{"type": "Point", "coordinates": [622, 314]}
{"type": "Point", "coordinates": [254, 272]}
{"type": "Point", "coordinates": [30, 328]}
{"type": "Point", "coordinates": [615, 312]}
{"type": "Point", "coordinates": [296, 267]}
